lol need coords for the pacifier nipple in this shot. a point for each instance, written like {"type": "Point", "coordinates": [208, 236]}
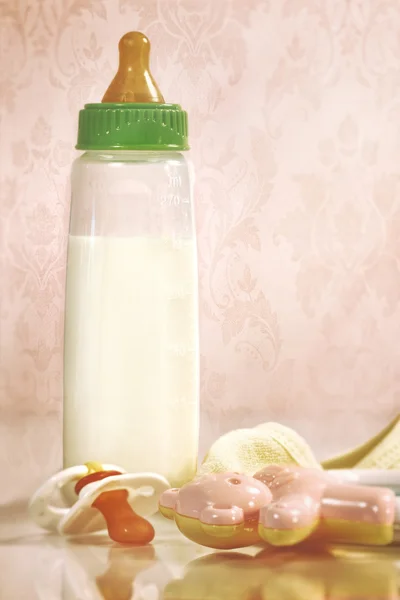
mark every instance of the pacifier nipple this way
{"type": "Point", "coordinates": [133, 81]}
{"type": "Point", "coordinates": [123, 524]}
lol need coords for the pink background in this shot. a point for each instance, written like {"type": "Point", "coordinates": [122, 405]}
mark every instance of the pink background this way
{"type": "Point", "coordinates": [294, 110]}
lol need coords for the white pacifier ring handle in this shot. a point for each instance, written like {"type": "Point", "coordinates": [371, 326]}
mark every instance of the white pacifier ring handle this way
{"type": "Point", "coordinates": [41, 509]}
{"type": "Point", "coordinates": [144, 490]}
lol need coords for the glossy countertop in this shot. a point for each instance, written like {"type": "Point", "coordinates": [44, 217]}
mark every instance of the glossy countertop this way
{"type": "Point", "coordinates": [38, 566]}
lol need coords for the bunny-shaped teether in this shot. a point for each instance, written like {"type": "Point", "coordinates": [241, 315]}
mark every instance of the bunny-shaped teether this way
{"type": "Point", "coordinates": [281, 505]}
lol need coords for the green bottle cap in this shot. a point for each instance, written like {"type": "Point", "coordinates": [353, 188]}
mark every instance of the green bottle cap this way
{"type": "Point", "coordinates": [133, 114]}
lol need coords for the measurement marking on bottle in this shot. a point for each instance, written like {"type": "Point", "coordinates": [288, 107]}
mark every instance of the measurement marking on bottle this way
{"type": "Point", "coordinates": [173, 200]}
{"type": "Point", "coordinates": [174, 181]}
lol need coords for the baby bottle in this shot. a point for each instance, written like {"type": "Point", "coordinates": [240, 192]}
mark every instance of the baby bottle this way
{"type": "Point", "coordinates": [131, 355]}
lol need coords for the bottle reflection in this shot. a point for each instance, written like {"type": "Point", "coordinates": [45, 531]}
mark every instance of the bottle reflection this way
{"type": "Point", "coordinates": [287, 575]}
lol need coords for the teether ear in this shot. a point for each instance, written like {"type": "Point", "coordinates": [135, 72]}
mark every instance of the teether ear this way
{"type": "Point", "coordinates": [358, 514]}
{"type": "Point", "coordinates": [167, 503]}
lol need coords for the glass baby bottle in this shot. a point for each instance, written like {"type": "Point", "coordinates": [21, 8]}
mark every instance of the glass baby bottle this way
{"type": "Point", "coordinates": [131, 351]}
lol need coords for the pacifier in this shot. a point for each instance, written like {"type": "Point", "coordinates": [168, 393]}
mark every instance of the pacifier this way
{"type": "Point", "coordinates": [108, 498]}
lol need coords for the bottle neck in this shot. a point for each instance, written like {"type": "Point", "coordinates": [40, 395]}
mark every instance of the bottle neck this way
{"type": "Point", "coordinates": [132, 156]}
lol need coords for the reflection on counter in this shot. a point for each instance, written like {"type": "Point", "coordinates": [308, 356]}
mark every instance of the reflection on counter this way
{"type": "Point", "coordinates": [46, 567]}
{"type": "Point", "coordinates": [287, 575]}
{"type": "Point", "coordinates": [112, 573]}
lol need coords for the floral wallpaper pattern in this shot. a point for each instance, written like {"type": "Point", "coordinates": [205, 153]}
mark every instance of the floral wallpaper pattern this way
{"type": "Point", "coordinates": [295, 130]}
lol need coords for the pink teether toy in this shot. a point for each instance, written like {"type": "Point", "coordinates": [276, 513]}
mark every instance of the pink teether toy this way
{"type": "Point", "coordinates": [282, 505]}
{"type": "Point", "coordinates": [219, 510]}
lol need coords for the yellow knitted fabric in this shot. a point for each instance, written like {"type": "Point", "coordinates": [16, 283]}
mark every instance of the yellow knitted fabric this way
{"type": "Point", "coordinates": [380, 452]}
{"type": "Point", "coordinates": [248, 450]}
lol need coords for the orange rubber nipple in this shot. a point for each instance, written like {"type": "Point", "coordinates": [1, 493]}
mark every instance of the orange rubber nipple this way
{"type": "Point", "coordinates": [123, 524]}
{"type": "Point", "coordinates": [133, 81]}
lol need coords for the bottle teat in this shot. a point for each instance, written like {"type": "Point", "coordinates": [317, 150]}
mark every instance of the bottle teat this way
{"type": "Point", "coordinates": [133, 81]}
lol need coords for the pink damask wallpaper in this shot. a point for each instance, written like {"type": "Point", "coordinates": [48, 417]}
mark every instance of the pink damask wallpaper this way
{"type": "Point", "coordinates": [295, 129]}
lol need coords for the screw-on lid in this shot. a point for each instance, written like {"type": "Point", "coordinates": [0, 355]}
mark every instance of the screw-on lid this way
{"type": "Point", "coordinates": [133, 114]}
{"type": "Point", "coordinates": [130, 126]}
